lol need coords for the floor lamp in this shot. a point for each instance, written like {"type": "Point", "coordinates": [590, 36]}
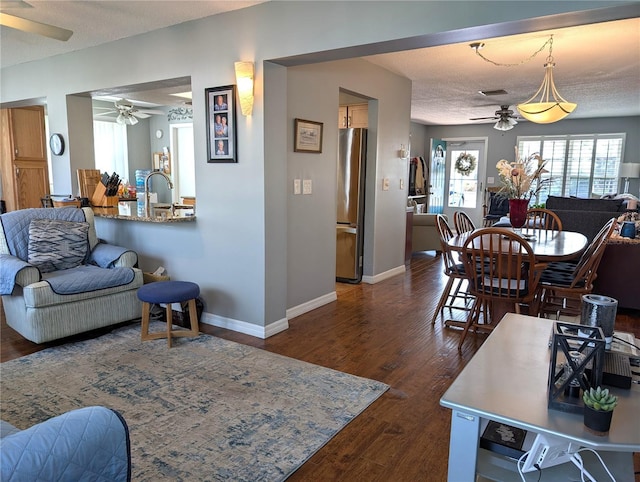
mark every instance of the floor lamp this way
{"type": "Point", "coordinates": [629, 170]}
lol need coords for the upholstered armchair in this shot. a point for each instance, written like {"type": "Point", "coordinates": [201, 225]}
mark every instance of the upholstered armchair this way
{"type": "Point", "coordinates": [89, 443]}
{"type": "Point", "coordinates": [57, 279]}
{"type": "Point", "coordinates": [425, 235]}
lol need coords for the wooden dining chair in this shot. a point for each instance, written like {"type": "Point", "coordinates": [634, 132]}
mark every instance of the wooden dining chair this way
{"type": "Point", "coordinates": [539, 218]}
{"type": "Point", "coordinates": [563, 284]}
{"type": "Point", "coordinates": [501, 268]}
{"type": "Point", "coordinates": [462, 222]}
{"type": "Point", "coordinates": [454, 269]}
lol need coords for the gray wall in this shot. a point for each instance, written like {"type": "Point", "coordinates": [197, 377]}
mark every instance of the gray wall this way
{"type": "Point", "coordinates": [313, 93]}
{"type": "Point", "coordinates": [237, 250]}
{"type": "Point", "coordinates": [501, 144]}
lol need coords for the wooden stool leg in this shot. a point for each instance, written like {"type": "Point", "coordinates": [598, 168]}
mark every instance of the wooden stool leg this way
{"type": "Point", "coordinates": [144, 330]}
{"type": "Point", "coordinates": [169, 323]}
{"type": "Point", "coordinates": [193, 316]}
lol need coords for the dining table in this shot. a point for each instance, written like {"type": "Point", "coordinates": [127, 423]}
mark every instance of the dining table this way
{"type": "Point", "coordinates": [547, 245]}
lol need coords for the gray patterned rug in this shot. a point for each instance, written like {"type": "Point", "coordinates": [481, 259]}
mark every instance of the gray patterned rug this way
{"type": "Point", "coordinates": [206, 409]}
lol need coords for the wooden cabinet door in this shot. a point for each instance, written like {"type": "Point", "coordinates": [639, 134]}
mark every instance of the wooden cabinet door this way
{"type": "Point", "coordinates": [359, 115]}
{"type": "Point", "coordinates": [32, 183]}
{"type": "Point", "coordinates": [27, 125]}
{"type": "Point", "coordinates": [342, 117]}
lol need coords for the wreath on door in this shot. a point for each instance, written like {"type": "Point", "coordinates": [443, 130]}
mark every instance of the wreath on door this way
{"type": "Point", "coordinates": [465, 164]}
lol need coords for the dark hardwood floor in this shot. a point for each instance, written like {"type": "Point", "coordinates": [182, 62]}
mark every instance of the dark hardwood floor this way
{"type": "Point", "coordinates": [383, 332]}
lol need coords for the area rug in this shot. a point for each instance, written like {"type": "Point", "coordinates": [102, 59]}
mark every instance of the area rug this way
{"type": "Point", "coordinates": [206, 409]}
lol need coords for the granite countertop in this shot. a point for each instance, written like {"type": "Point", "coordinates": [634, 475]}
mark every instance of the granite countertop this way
{"type": "Point", "coordinates": [113, 213]}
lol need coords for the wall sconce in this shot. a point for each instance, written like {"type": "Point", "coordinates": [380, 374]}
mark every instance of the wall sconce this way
{"type": "Point", "coordinates": [244, 79]}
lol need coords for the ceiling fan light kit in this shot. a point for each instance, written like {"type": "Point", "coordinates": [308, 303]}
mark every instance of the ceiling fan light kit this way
{"type": "Point", "coordinates": [505, 124]}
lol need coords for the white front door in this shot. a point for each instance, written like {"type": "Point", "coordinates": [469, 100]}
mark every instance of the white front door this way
{"type": "Point", "coordinates": [465, 174]}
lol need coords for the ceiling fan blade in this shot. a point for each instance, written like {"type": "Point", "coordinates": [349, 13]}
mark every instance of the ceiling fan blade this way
{"type": "Point", "coordinates": [31, 26]}
{"type": "Point", "coordinates": [140, 115]}
{"type": "Point", "coordinates": [485, 118]}
{"type": "Point", "coordinates": [109, 113]}
{"type": "Point", "coordinates": [150, 111]}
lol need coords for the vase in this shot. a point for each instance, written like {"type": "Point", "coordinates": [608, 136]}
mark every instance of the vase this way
{"type": "Point", "coordinates": [597, 421]}
{"type": "Point", "coordinates": [518, 212]}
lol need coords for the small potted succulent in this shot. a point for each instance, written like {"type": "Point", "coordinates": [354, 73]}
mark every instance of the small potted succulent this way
{"type": "Point", "coordinates": [598, 409]}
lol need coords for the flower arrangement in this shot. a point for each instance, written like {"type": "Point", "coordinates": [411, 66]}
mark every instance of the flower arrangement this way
{"type": "Point", "coordinates": [522, 179]}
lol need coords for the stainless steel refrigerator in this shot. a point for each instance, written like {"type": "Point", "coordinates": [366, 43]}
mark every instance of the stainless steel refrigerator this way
{"type": "Point", "coordinates": [352, 157]}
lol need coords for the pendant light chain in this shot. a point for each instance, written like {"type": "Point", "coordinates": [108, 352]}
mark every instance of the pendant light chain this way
{"type": "Point", "coordinates": [477, 46]}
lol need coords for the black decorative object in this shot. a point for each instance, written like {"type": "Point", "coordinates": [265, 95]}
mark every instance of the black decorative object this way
{"type": "Point", "coordinates": [575, 365]}
{"type": "Point", "coordinates": [503, 439]}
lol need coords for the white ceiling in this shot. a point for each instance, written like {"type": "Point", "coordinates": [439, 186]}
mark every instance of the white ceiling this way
{"type": "Point", "coordinates": [597, 66]}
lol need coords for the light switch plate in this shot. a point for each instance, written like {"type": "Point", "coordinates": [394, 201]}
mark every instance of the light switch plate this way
{"type": "Point", "coordinates": [306, 186]}
{"type": "Point", "coordinates": [297, 186]}
{"type": "Point", "coordinates": [385, 184]}
{"type": "Point", "coordinates": [490, 180]}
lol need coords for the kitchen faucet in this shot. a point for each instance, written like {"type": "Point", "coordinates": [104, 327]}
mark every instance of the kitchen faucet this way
{"type": "Point", "coordinates": [146, 189]}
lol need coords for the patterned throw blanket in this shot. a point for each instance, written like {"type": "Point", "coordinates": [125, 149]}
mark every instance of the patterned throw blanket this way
{"type": "Point", "coordinates": [90, 277]}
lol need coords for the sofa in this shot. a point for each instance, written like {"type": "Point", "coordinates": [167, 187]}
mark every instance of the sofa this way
{"type": "Point", "coordinates": [586, 216]}
{"type": "Point", "coordinates": [425, 236]}
{"type": "Point", "coordinates": [58, 279]}
{"type": "Point", "coordinates": [87, 444]}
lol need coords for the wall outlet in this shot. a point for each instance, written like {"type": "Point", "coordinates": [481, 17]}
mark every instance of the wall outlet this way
{"type": "Point", "coordinates": [306, 186]}
{"type": "Point", "coordinates": [297, 186]}
{"type": "Point", "coordinates": [385, 184]}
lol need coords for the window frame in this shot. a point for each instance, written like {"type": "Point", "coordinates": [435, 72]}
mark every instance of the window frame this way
{"type": "Point", "coordinates": [569, 184]}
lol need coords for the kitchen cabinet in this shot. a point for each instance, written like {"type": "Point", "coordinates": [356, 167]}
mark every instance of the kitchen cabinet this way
{"type": "Point", "coordinates": [356, 115]}
{"type": "Point", "coordinates": [23, 163]}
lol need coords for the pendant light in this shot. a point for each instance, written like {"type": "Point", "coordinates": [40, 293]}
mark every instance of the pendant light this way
{"type": "Point", "coordinates": [546, 105]}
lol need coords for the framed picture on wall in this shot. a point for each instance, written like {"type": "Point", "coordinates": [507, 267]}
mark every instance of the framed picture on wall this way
{"type": "Point", "coordinates": [221, 124]}
{"type": "Point", "coordinates": [307, 136]}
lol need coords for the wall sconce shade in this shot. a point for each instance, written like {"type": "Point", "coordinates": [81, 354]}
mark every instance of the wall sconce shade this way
{"type": "Point", "coordinates": [244, 79]}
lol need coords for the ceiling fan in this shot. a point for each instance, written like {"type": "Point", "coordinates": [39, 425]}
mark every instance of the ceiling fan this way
{"type": "Point", "coordinates": [30, 26]}
{"type": "Point", "coordinates": [127, 112]}
{"type": "Point", "coordinates": [504, 116]}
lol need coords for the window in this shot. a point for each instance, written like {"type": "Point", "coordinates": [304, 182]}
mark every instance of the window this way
{"type": "Point", "coordinates": [579, 165]}
{"type": "Point", "coordinates": [463, 189]}
{"type": "Point", "coordinates": [110, 146]}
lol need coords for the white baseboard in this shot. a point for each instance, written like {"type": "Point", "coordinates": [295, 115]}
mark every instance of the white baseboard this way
{"type": "Point", "coordinates": [283, 324]}
{"type": "Point", "coordinates": [383, 276]}
{"type": "Point", "coordinates": [311, 305]}
{"type": "Point", "coordinates": [244, 327]}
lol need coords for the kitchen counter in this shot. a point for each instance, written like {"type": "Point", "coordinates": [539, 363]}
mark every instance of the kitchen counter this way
{"type": "Point", "coordinates": [113, 213]}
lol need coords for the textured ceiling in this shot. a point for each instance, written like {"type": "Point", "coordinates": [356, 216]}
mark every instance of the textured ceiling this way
{"type": "Point", "coordinates": [597, 66]}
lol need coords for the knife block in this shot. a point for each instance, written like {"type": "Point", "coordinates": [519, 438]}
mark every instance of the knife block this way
{"type": "Point", "coordinates": [99, 199]}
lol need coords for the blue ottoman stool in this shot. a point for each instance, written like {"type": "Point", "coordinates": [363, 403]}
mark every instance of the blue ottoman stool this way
{"type": "Point", "coordinates": [168, 292]}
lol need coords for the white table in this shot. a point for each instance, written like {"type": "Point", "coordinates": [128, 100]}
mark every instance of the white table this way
{"type": "Point", "coordinates": [506, 381]}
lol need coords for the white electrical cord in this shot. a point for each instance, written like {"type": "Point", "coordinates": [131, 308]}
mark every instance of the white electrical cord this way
{"type": "Point", "coordinates": [521, 463]}
{"type": "Point", "coordinates": [581, 466]}
{"type": "Point", "coordinates": [576, 459]}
